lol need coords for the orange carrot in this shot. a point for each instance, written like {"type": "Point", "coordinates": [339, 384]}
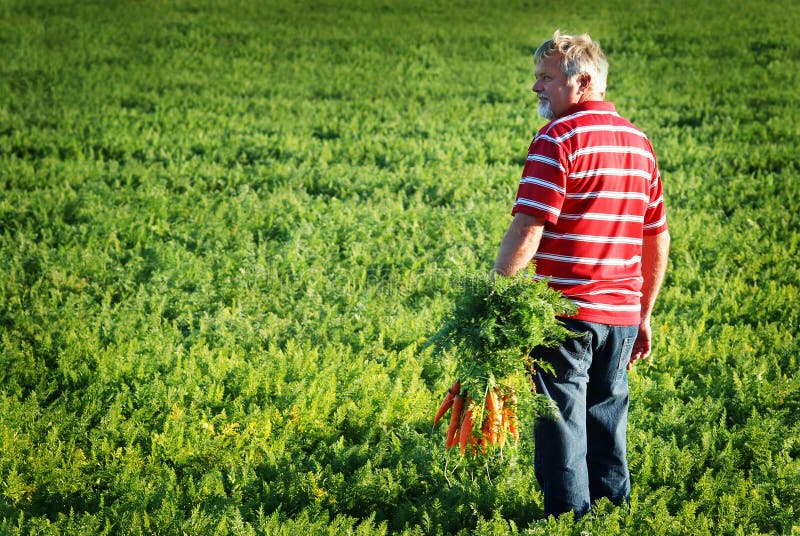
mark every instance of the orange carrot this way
{"type": "Point", "coordinates": [447, 402]}
{"type": "Point", "coordinates": [501, 440]}
{"type": "Point", "coordinates": [485, 426]}
{"type": "Point", "coordinates": [485, 436]}
{"type": "Point", "coordinates": [466, 430]}
{"type": "Point", "coordinates": [511, 417]}
{"type": "Point", "coordinates": [493, 416]}
{"type": "Point", "coordinates": [491, 401]}
{"type": "Point", "coordinates": [513, 431]}
{"type": "Point", "coordinates": [455, 419]}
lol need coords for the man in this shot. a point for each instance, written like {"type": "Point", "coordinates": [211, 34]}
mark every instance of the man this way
{"type": "Point", "coordinates": [589, 213]}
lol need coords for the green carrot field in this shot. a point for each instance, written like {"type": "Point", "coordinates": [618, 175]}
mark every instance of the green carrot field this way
{"type": "Point", "coordinates": [227, 230]}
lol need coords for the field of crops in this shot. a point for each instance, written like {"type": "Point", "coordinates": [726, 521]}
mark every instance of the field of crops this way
{"type": "Point", "coordinates": [227, 230]}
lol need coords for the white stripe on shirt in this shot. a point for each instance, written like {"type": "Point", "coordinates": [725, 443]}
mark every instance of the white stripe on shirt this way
{"type": "Point", "coordinates": [593, 239]}
{"type": "Point", "coordinates": [575, 282]}
{"type": "Point", "coordinates": [611, 149]}
{"type": "Point", "coordinates": [605, 194]}
{"type": "Point", "coordinates": [610, 171]}
{"type": "Point", "coordinates": [588, 260]}
{"type": "Point", "coordinates": [545, 160]}
{"type": "Point", "coordinates": [592, 128]}
{"type": "Point", "coordinates": [536, 204]}
{"type": "Point", "coordinates": [610, 291]}
{"type": "Point", "coordinates": [604, 307]}
{"type": "Point", "coordinates": [656, 224]}
{"type": "Point", "coordinates": [546, 184]}
{"type": "Point", "coordinates": [603, 217]}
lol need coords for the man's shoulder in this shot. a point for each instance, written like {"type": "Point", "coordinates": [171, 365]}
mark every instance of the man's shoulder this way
{"type": "Point", "coordinates": [594, 115]}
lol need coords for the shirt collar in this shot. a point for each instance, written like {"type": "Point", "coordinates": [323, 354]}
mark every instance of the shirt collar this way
{"type": "Point", "coordinates": [590, 106]}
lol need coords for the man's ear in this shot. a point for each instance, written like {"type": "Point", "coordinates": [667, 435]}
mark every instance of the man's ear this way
{"type": "Point", "coordinates": [584, 82]}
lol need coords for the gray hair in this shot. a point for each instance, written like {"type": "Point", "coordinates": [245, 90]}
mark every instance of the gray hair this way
{"type": "Point", "coordinates": [581, 56]}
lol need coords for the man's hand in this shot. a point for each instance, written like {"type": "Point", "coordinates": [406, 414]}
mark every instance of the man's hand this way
{"type": "Point", "coordinates": [641, 347]}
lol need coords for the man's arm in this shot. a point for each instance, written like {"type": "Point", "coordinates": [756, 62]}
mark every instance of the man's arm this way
{"type": "Point", "coordinates": [655, 252]}
{"type": "Point", "coordinates": [519, 244]}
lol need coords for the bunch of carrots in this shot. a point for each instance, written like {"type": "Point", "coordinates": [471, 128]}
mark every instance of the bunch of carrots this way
{"type": "Point", "coordinates": [497, 415]}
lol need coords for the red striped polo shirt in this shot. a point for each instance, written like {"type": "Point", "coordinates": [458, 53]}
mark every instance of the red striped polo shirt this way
{"type": "Point", "coordinates": [593, 177]}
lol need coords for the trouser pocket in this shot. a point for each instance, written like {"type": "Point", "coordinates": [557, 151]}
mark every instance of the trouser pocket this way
{"type": "Point", "coordinates": [572, 359]}
{"type": "Point", "coordinates": [624, 356]}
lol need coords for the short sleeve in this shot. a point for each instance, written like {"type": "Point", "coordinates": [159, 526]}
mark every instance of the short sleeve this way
{"type": "Point", "coordinates": [542, 188]}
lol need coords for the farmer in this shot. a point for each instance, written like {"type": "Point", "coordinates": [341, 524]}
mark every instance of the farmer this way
{"type": "Point", "coordinates": [589, 213]}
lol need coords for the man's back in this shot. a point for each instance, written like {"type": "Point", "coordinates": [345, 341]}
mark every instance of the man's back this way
{"type": "Point", "coordinates": [592, 176]}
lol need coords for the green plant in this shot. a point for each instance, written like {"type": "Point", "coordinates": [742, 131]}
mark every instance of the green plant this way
{"type": "Point", "coordinates": [493, 330]}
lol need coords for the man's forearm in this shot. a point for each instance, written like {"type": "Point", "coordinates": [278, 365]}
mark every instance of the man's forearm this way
{"type": "Point", "coordinates": [519, 244]}
{"type": "Point", "coordinates": [655, 253]}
